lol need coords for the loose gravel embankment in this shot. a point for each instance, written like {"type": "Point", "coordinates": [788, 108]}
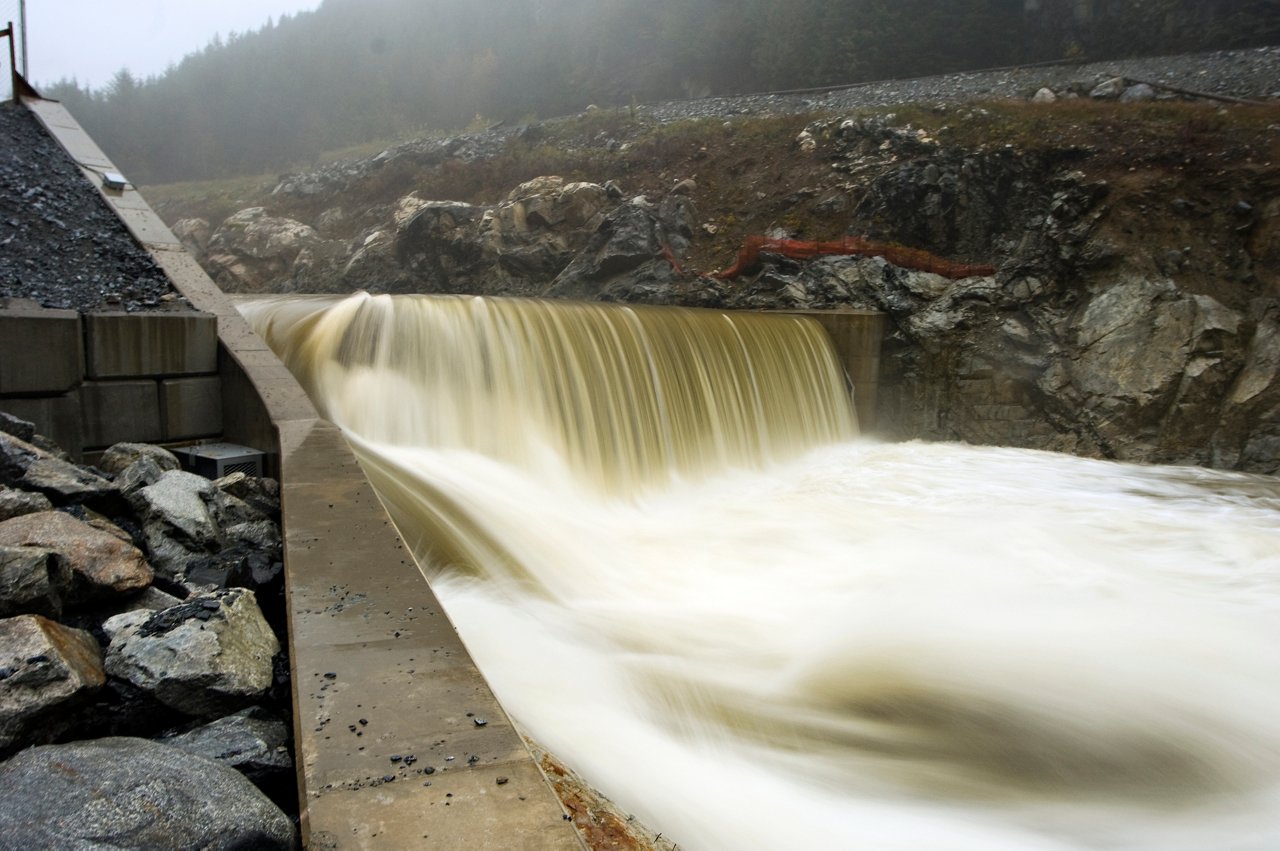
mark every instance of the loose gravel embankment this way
{"type": "Point", "coordinates": [60, 244]}
{"type": "Point", "coordinates": [1252, 74]}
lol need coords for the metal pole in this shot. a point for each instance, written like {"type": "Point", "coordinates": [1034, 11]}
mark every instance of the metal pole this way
{"type": "Point", "coordinates": [22, 22]}
{"type": "Point", "coordinates": [13, 63]}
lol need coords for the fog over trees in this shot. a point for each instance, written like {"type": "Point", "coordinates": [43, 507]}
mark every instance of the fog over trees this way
{"type": "Point", "coordinates": [358, 70]}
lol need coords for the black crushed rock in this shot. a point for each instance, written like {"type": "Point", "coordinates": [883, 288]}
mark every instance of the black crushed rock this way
{"type": "Point", "coordinates": [60, 244]}
{"type": "Point", "coordinates": [167, 620]}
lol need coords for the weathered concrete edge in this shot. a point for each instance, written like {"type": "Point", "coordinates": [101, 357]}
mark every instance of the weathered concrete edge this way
{"type": "Point", "coordinates": [378, 669]}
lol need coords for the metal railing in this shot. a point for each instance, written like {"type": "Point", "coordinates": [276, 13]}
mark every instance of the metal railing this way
{"type": "Point", "coordinates": [13, 19]}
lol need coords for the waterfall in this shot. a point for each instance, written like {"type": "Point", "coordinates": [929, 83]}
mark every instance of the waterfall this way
{"type": "Point", "coordinates": [685, 575]}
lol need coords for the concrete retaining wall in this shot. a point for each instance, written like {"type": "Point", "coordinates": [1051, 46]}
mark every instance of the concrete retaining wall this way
{"type": "Point", "coordinates": [92, 380]}
{"type": "Point", "coordinates": [856, 336]}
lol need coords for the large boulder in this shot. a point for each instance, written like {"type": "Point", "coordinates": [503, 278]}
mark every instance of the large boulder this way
{"type": "Point", "coordinates": [252, 251]}
{"type": "Point", "coordinates": [17, 427]}
{"type": "Point", "coordinates": [437, 246]}
{"type": "Point", "coordinates": [15, 503]}
{"type": "Point", "coordinates": [194, 234]}
{"type": "Point", "coordinates": [102, 565]}
{"type": "Point", "coordinates": [32, 581]}
{"type": "Point", "coordinates": [259, 493]}
{"type": "Point", "coordinates": [120, 456]}
{"type": "Point", "coordinates": [45, 670]}
{"type": "Point", "coordinates": [629, 255]}
{"type": "Point", "coordinates": [179, 520]}
{"type": "Point", "coordinates": [251, 741]}
{"type": "Point", "coordinates": [133, 793]}
{"type": "Point", "coordinates": [211, 654]}
{"type": "Point", "coordinates": [28, 467]}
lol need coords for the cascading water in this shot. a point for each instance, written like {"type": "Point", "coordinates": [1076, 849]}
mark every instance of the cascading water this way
{"type": "Point", "coordinates": [684, 576]}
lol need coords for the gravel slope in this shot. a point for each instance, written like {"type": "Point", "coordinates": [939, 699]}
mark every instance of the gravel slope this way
{"type": "Point", "coordinates": [60, 244]}
{"type": "Point", "coordinates": [1253, 73]}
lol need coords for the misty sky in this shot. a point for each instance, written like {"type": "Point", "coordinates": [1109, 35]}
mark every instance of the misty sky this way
{"type": "Point", "coordinates": [92, 39]}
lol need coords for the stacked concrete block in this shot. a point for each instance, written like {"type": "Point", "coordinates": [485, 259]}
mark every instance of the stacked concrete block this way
{"type": "Point", "coordinates": [92, 380]}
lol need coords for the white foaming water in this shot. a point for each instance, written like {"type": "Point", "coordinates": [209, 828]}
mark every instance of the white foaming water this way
{"type": "Point", "coordinates": [874, 646]}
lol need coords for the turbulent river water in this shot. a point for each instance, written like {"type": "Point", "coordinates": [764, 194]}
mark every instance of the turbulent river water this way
{"type": "Point", "coordinates": [685, 575]}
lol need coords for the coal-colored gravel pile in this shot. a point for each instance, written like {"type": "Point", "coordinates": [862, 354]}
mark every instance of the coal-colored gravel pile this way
{"type": "Point", "coordinates": [60, 244]}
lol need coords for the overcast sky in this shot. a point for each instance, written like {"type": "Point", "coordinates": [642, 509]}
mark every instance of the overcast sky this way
{"type": "Point", "coordinates": [92, 39]}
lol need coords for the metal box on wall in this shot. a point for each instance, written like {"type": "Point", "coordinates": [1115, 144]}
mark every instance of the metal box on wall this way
{"type": "Point", "coordinates": [215, 460]}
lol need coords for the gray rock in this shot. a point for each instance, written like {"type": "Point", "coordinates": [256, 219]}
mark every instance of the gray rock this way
{"type": "Point", "coordinates": [252, 742]}
{"type": "Point", "coordinates": [32, 581]}
{"type": "Point", "coordinates": [1137, 93]}
{"type": "Point", "coordinates": [1109, 89]}
{"type": "Point", "coordinates": [121, 455]}
{"type": "Point", "coordinates": [15, 503]}
{"type": "Point", "coordinates": [194, 234]}
{"type": "Point", "coordinates": [102, 565]}
{"type": "Point", "coordinates": [261, 494]}
{"type": "Point", "coordinates": [19, 428]}
{"type": "Point", "coordinates": [141, 473]}
{"type": "Point", "coordinates": [180, 517]}
{"type": "Point", "coordinates": [252, 251]}
{"type": "Point", "coordinates": [622, 249]}
{"type": "Point", "coordinates": [211, 654]}
{"type": "Point", "coordinates": [27, 467]}
{"type": "Point", "coordinates": [1044, 95]}
{"type": "Point", "coordinates": [258, 534]}
{"type": "Point", "coordinates": [133, 793]}
{"type": "Point", "coordinates": [47, 669]}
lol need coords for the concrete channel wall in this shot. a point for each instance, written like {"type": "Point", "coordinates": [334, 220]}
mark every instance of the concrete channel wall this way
{"type": "Point", "coordinates": [856, 336]}
{"type": "Point", "coordinates": [378, 670]}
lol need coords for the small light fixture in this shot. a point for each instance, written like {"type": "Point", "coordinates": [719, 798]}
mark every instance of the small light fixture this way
{"type": "Point", "coordinates": [114, 180]}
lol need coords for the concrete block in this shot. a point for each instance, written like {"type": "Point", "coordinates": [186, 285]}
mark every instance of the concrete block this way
{"type": "Point", "coordinates": [191, 407]}
{"type": "Point", "coordinates": [130, 345]}
{"type": "Point", "coordinates": [112, 411]}
{"type": "Point", "coordinates": [56, 417]}
{"type": "Point", "coordinates": [41, 352]}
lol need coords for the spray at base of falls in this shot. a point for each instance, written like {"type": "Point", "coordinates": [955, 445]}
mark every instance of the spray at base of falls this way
{"type": "Point", "coordinates": [844, 644]}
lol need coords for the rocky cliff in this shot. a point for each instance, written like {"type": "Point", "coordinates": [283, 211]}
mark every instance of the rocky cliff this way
{"type": "Point", "coordinates": [1135, 239]}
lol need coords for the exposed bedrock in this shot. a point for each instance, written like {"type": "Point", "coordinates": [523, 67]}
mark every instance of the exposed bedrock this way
{"type": "Point", "coordinates": [1132, 312]}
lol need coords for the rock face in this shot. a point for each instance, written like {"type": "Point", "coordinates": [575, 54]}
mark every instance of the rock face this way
{"type": "Point", "coordinates": [547, 237]}
{"type": "Point", "coordinates": [252, 250]}
{"type": "Point", "coordinates": [132, 793]}
{"type": "Point", "coordinates": [101, 565]}
{"type": "Point", "coordinates": [45, 669]}
{"type": "Point", "coordinates": [210, 654]}
{"type": "Point", "coordinates": [1122, 320]}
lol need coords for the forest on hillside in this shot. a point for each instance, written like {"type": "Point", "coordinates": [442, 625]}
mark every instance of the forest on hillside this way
{"type": "Point", "coordinates": [359, 70]}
